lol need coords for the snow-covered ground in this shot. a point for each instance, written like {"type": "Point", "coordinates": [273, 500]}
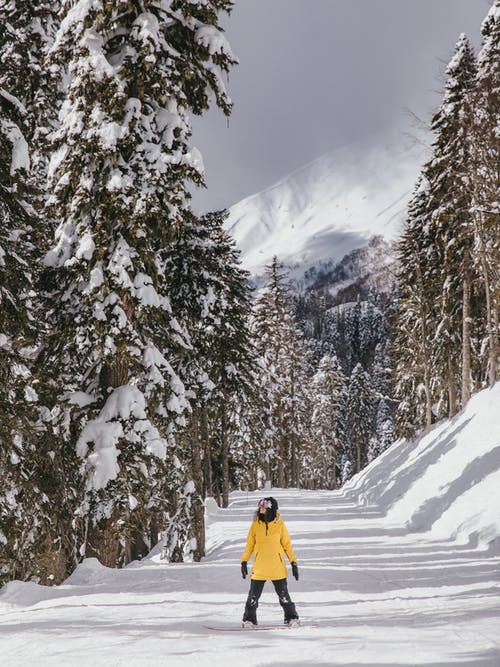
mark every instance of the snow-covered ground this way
{"type": "Point", "coordinates": [401, 567]}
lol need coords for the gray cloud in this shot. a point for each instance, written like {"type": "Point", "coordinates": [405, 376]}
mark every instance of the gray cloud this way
{"type": "Point", "coordinates": [317, 74]}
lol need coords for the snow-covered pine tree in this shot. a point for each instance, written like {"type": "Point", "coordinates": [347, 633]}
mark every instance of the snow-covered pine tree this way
{"type": "Point", "coordinates": [328, 396]}
{"type": "Point", "coordinates": [28, 30]}
{"type": "Point", "coordinates": [353, 326]}
{"type": "Point", "coordinates": [360, 405]}
{"type": "Point", "coordinates": [448, 277]}
{"type": "Point", "coordinates": [415, 325]}
{"type": "Point", "coordinates": [232, 358]}
{"type": "Point", "coordinates": [371, 330]}
{"type": "Point", "coordinates": [359, 331]}
{"type": "Point", "coordinates": [17, 217]}
{"type": "Point", "coordinates": [121, 164]}
{"type": "Point", "coordinates": [25, 512]}
{"type": "Point", "coordinates": [16, 331]}
{"type": "Point", "coordinates": [285, 376]}
{"type": "Point", "coordinates": [211, 295]}
{"type": "Point", "coordinates": [485, 176]}
{"type": "Point", "coordinates": [434, 255]}
{"type": "Point", "coordinates": [384, 434]}
{"type": "Point", "coordinates": [448, 204]}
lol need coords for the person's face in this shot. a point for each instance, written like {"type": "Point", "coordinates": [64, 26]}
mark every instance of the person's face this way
{"type": "Point", "coordinates": [264, 505]}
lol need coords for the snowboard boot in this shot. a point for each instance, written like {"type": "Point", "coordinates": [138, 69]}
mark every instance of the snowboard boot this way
{"type": "Point", "coordinates": [249, 617]}
{"type": "Point", "coordinates": [289, 611]}
{"type": "Point", "coordinates": [252, 603]}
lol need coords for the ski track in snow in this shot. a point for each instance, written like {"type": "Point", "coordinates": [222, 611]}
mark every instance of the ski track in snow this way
{"type": "Point", "coordinates": [383, 596]}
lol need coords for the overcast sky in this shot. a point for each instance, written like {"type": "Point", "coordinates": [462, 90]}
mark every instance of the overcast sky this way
{"type": "Point", "coordinates": [317, 74]}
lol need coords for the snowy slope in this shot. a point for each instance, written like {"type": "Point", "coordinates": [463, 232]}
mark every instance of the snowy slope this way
{"type": "Point", "coordinates": [401, 567]}
{"type": "Point", "coordinates": [371, 267]}
{"type": "Point", "coordinates": [447, 482]}
{"type": "Point", "coordinates": [328, 207]}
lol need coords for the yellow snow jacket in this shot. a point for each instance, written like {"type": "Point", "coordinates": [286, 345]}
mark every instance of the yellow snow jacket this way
{"type": "Point", "coordinates": [269, 542]}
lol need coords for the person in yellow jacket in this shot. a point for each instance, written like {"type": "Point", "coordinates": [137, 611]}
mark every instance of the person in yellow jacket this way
{"type": "Point", "coordinates": [268, 540]}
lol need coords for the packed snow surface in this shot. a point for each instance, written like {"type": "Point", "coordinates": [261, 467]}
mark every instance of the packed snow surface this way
{"type": "Point", "coordinates": [401, 567]}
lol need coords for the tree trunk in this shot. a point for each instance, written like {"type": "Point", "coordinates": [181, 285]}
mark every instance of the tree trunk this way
{"type": "Point", "coordinates": [283, 466]}
{"type": "Point", "coordinates": [281, 463]}
{"type": "Point", "coordinates": [197, 509]}
{"type": "Point", "coordinates": [466, 363]}
{"type": "Point", "coordinates": [267, 472]}
{"type": "Point", "coordinates": [294, 482]}
{"type": "Point", "coordinates": [490, 317]}
{"type": "Point", "coordinates": [424, 349]}
{"type": "Point", "coordinates": [491, 308]}
{"type": "Point", "coordinates": [208, 485]}
{"type": "Point", "coordinates": [198, 525]}
{"type": "Point", "coordinates": [490, 324]}
{"type": "Point", "coordinates": [225, 461]}
{"type": "Point", "coordinates": [114, 374]}
{"type": "Point", "coordinates": [452, 390]}
{"type": "Point", "coordinates": [334, 467]}
{"type": "Point", "coordinates": [428, 402]}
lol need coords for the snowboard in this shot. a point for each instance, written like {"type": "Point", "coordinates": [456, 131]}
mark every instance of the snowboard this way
{"type": "Point", "coordinates": [256, 628]}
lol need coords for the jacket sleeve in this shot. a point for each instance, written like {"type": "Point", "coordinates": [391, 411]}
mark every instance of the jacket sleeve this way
{"type": "Point", "coordinates": [250, 544]}
{"type": "Point", "coordinates": [286, 543]}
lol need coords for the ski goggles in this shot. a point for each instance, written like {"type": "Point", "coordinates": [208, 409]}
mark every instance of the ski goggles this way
{"type": "Point", "coordinates": [267, 504]}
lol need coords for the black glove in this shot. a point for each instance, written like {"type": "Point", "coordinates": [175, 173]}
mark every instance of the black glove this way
{"type": "Point", "coordinates": [244, 569]}
{"type": "Point", "coordinates": [295, 571]}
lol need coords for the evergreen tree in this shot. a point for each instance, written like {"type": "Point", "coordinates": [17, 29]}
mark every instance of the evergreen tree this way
{"type": "Point", "coordinates": [328, 398]}
{"type": "Point", "coordinates": [354, 332]}
{"type": "Point", "coordinates": [384, 431]}
{"type": "Point", "coordinates": [26, 33]}
{"type": "Point", "coordinates": [16, 331]}
{"type": "Point", "coordinates": [285, 373]}
{"type": "Point", "coordinates": [434, 339]}
{"type": "Point", "coordinates": [485, 175]}
{"type": "Point", "coordinates": [448, 303]}
{"type": "Point", "coordinates": [413, 348]}
{"type": "Point", "coordinates": [353, 335]}
{"type": "Point", "coordinates": [359, 415]}
{"type": "Point", "coordinates": [211, 295]}
{"type": "Point", "coordinates": [448, 212]}
{"type": "Point", "coordinates": [120, 168]}
{"type": "Point", "coordinates": [25, 512]}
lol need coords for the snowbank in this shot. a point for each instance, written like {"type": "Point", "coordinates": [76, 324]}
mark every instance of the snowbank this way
{"type": "Point", "coordinates": [446, 481]}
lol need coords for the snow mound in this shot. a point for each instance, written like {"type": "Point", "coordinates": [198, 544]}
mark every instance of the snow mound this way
{"type": "Point", "coordinates": [23, 593]}
{"type": "Point", "coordinates": [89, 571]}
{"type": "Point", "coordinates": [446, 481]}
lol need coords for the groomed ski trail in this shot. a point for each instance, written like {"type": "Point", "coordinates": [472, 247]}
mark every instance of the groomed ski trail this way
{"type": "Point", "coordinates": [381, 597]}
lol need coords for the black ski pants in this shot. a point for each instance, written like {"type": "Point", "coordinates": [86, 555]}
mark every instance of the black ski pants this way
{"type": "Point", "coordinates": [256, 588]}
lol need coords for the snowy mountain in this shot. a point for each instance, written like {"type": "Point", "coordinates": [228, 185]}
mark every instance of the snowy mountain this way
{"type": "Point", "coordinates": [400, 567]}
{"type": "Point", "coordinates": [369, 267]}
{"type": "Point", "coordinates": [328, 207]}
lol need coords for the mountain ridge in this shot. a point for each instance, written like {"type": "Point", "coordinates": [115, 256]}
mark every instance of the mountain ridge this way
{"type": "Point", "coordinates": [328, 207]}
